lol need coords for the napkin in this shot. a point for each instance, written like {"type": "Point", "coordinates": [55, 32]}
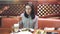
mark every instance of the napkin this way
{"type": "Point", "coordinates": [47, 28]}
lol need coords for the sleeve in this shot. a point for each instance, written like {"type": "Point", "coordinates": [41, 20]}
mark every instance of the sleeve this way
{"type": "Point", "coordinates": [21, 15]}
{"type": "Point", "coordinates": [20, 24]}
{"type": "Point", "coordinates": [36, 23]}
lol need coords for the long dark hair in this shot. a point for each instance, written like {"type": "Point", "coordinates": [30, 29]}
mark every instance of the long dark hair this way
{"type": "Point", "coordinates": [32, 14]}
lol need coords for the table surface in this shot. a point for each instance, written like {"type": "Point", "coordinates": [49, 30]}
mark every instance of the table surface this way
{"type": "Point", "coordinates": [2, 31]}
{"type": "Point", "coordinates": [6, 33]}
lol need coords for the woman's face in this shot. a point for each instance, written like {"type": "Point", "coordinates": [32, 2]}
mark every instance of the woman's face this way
{"type": "Point", "coordinates": [28, 9]}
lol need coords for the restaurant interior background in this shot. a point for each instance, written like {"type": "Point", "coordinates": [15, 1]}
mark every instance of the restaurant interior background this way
{"type": "Point", "coordinates": [11, 9]}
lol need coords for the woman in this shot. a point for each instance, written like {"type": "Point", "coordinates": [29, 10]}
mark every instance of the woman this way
{"type": "Point", "coordinates": [29, 19]}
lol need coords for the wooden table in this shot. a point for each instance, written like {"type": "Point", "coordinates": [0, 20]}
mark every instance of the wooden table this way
{"type": "Point", "coordinates": [4, 33]}
{"type": "Point", "coordinates": [53, 31]}
{"type": "Point", "coordinates": [5, 30]}
{"type": "Point", "coordinates": [8, 31]}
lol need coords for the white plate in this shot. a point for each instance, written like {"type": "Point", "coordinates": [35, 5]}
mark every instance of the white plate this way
{"type": "Point", "coordinates": [24, 32]}
{"type": "Point", "coordinates": [27, 28]}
